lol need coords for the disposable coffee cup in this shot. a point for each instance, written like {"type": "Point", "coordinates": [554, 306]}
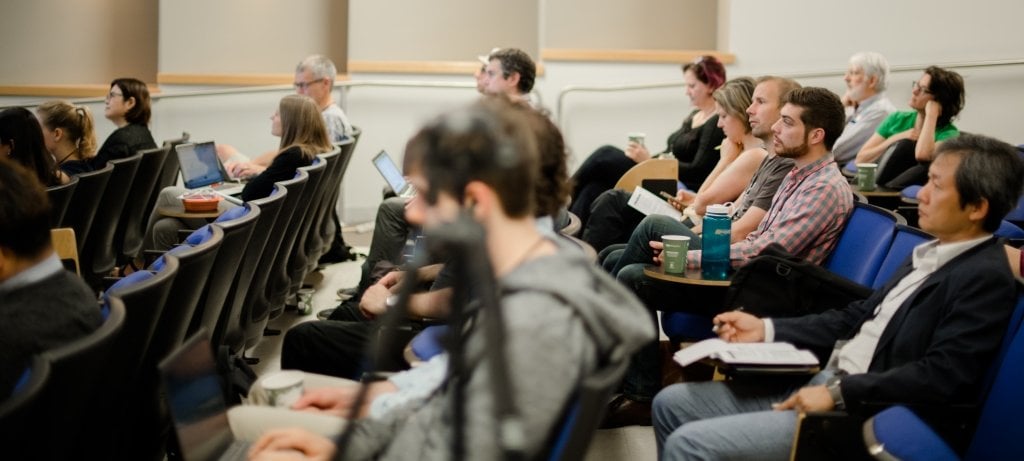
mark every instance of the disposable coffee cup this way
{"type": "Point", "coordinates": [674, 252]}
{"type": "Point", "coordinates": [283, 388]}
{"type": "Point", "coordinates": [866, 175]}
{"type": "Point", "coordinates": [637, 137]}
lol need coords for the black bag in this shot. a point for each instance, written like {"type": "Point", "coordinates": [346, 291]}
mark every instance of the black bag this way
{"type": "Point", "coordinates": [778, 284]}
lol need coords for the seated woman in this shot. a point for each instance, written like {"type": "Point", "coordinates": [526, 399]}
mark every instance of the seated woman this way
{"type": "Point", "coordinates": [613, 220]}
{"type": "Point", "coordinates": [21, 139]}
{"type": "Point", "coordinates": [69, 136]}
{"type": "Point", "coordinates": [298, 123]}
{"type": "Point", "coordinates": [693, 144]}
{"type": "Point", "coordinates": [128, 107]}
{"type": "Point", "coordinates": [937, 98]}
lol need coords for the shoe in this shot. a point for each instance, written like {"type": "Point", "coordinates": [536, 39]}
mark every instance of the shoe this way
{"type": "Point", "coordinates": [324, 314]}
{"type": "Point", "coordinates": [346, 293]}
{"type": "Point", "coordinates": [622, 412]}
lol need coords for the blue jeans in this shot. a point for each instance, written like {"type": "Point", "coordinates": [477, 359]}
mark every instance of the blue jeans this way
{"type": "Point", "coordinates": [727, 419]}
{"type": "Point", "coordinates": [643, 377]}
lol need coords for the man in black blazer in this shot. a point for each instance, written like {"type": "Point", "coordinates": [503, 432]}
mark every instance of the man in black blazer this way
{"type": "Point", "coordinates": [927, 337]}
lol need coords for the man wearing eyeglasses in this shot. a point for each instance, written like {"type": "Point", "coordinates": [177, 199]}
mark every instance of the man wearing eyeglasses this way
{"type": "Point", "coordinates": [314, 77]}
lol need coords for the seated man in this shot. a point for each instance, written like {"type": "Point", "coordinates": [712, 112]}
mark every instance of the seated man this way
{"type": "Point", "coordinates": [43, 305]}
{"type": "Point", "coordinates": [480, 163]}
{"type": "Point", "coordinates": [927, 337]}
{"type": "Point", "coordinates": [866, 103]}
{"type": "Point", "coordinates": [806, 217]}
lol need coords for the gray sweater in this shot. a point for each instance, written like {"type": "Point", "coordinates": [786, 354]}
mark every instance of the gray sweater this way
{"type": "Point", "coordinates": [549, 305]}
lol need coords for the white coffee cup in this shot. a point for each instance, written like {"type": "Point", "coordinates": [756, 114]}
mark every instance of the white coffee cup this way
{"type": "Point", "coordinates": [283, 388]}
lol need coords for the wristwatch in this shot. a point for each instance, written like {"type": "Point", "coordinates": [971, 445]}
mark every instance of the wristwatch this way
{"type": "Point", "coordinates": [835, 392]}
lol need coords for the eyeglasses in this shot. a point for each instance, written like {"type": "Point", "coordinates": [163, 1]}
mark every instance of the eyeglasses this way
{"type": "Point", "coordinates": [112, 95]}
{"type": "Point", "coordinates": [914, 86]}
{"type": "Point", "coordinates": [304, 85]}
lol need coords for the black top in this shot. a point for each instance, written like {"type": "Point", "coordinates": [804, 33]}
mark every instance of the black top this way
{"type": "Point", "coordinates": [281, 169]}
{"type": "Point", "coordinates": [122, 143]}
{"type": "Point", "coordinates": [76, 167]}
{"type": "Point", "coordinates": [695, 149]}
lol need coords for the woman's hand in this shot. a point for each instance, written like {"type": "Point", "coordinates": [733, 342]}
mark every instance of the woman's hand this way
{"type": "Point", "coordinates": [637, 152]}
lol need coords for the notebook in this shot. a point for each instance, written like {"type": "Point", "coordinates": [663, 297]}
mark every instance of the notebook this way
{"type": "Point", "coordinates": [196, 399]}
{"type": "Point", "coordinates": [393, 175]}
{"type": "Point", "coordinates": [200, 168]}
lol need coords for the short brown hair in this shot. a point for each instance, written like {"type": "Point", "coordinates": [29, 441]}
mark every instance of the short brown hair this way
{"type": "Point", "coordinates": [821, 109]}
{"type": "Point", "coordinates": [24, 211]}
{"type": "Point", "coordinates": [134, 88]}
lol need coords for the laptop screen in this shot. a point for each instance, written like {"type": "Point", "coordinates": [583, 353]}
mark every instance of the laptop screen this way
{"type": "Point", "coordinates": [387, 168]}
{"type": "Point", "coordinates": [199, 164]}
{"type": "Point", "coordinates": [196, 399]}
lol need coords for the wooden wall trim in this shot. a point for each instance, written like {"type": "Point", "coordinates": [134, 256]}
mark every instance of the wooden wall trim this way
{"type": "Point", "coordinates": [57, 91]}
{"type": "Point", "coordinates": [420, 67]}
{"type": "Point", "coordinates": [654, 56]}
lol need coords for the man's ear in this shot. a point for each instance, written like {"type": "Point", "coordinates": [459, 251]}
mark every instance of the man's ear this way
{"type": "Point", "coordinates": [977, 211]}
{"type": "Point", "coordinates": [513, 78]}
{"type": "Point", "coordinates": [817, 136]}
{"type": "Point", "coordinates": [478, 198]}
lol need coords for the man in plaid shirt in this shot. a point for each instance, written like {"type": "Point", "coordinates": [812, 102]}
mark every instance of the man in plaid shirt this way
{"type": "Point", "coordinates": [806, 216]}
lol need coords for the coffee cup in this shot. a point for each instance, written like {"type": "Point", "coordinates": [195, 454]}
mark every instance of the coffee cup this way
{"type": "Point", "coordinates": [283, 388]}
{"type": "Point", "coordinates": [637, 137]}
{"type": "Point", "coordinates": [674, 252]}
{"type": "Point", "coordinates": [866, 176]}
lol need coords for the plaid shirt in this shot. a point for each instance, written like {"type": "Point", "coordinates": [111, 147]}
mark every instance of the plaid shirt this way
{"type": "Point", "coordinates": [807, 215]}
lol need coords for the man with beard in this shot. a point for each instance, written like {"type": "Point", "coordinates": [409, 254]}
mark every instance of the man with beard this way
{"type": "Point", "coordinates": [806, 217]}
{"type": "Point", "coordinates": [866, 102]}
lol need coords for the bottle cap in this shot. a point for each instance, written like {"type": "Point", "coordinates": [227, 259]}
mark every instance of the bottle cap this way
{"type": "Point", "coordinates": [717, 210]}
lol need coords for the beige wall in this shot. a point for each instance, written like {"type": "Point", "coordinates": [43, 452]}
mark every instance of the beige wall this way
{"type": "Point", "coordinates": [634, 24]}
{"type": "Point", "coordinates": [249, 36]}
{"type": "Point", "coordinates": [60, 42]}
{"type": "Point", "coordinates": [440, 30]}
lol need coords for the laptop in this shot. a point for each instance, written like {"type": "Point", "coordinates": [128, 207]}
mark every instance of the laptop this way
{"type": "Point", "coordinates": [201, 168]}
{"type": "Point", "coordinates": [196, 398]}
{"type": "Point", "coordinates": [393, 175]}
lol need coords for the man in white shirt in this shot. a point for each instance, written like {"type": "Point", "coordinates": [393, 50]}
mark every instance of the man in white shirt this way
{"type": "Point", "coordinates": [927, 337]}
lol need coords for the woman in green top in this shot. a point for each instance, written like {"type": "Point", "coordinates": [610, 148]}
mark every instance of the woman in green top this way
{"type": "Point", "coordinates": [937, 98]}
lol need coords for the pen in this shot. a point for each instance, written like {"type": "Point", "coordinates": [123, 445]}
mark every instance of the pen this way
{"type": "Point", "coordinates": [717, 326]}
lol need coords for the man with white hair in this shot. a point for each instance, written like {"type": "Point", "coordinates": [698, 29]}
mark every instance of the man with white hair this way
{"type": "Point", "coordinates": [866, 102]}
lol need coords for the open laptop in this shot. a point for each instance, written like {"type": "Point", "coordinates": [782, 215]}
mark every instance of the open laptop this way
{"type": "Point", "coordinates": [393, 175]}
{"type": "Point", "coordinates": [200, 168]}
{"type": "Point", "coordinates": [196, 398]}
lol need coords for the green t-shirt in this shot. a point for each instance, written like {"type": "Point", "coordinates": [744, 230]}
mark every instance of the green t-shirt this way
{"type": "Point", "coordinates": [898, 122]}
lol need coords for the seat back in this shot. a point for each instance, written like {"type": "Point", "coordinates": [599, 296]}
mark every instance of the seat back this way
{"type": "Point", "coordinates": [314, 237]}
{"type": "Point", "coordinates": [256, 309]}
{"type": "Point", "coordinates": [132, 223]}
{"type": "Point", "coordinates": [77, 378]}
{"type": "Point", "coordinates": [863, 244]}
{"type": "Point", "coordinates": [655, 168]}
{"type": "Point", "coordinates": [86, 200]}
{"type": "Point", "coordinates": [98, 256]}
{"type": "Point", "coordinates": [18, 410]}
{"type": "Point", "coordinates": [229, 324]}
{"type": "Point", "coordinates": [1009, 230]}
{"type": "Point", "coordinates": [168, 175]}
{"type": "Point", "coordinates": [237, 229]}
{"type": "Point", "coordinates": [295, 269]}
{"type": "Point", "coordinates": [584, 411]}
{"type": "Point", "coordinates": [60, 197]}
{"type": "Point", "coordinates": [999, 431]}
{"type": "Point", "coordinates": [903, 243]}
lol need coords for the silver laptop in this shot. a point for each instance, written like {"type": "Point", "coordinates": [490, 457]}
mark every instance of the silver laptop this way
{"type": "Point", "coordinates": [393, 175]}
{"type": "Point", "coordinates": [201, 168]}
{"type": "Point", "coordinates": [196, 398]}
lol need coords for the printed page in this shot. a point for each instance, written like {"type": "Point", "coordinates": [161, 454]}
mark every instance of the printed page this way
{"type": "Point", "coordinates": [745, 353]}
{"type": "Point", "coordinates": [647, 203]}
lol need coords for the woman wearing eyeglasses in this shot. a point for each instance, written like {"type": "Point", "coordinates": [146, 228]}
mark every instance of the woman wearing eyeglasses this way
{"type": "Point", "coordinates": [693, 144]}
{"type": "Point", "coordinates": [936, 99]}
{"type": "Point", "coordinates": [127, 106]}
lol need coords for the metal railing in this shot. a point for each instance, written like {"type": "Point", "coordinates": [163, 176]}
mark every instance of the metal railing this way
{"type": "Point", "coordinates": [567, 90]}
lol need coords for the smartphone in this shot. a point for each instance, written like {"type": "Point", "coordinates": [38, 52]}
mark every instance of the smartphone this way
{"type": "Point", "coordinates": [672, 200]}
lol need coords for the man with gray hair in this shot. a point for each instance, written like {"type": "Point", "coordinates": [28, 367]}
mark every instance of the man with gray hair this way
{"type": "Point", "coordinates": [866, 102]}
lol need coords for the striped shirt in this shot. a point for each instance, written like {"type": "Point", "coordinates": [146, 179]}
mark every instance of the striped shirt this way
{"type": "Point", "coordinates": [807, 215]}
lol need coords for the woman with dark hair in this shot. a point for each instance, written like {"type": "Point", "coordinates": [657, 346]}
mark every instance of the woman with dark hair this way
{"type": "Point", "coordinates": [127, 105]}
{"type": "Point", "coordinates": [69, 136]}
{"type": "Point", "coordinates": [21, 139]}
{"type": "Point", "coordinates": [303, 135]}
{"type": "Point", "coordinates": [693, 144]}
{"type": "Point", "coordinates": [936, 99]}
